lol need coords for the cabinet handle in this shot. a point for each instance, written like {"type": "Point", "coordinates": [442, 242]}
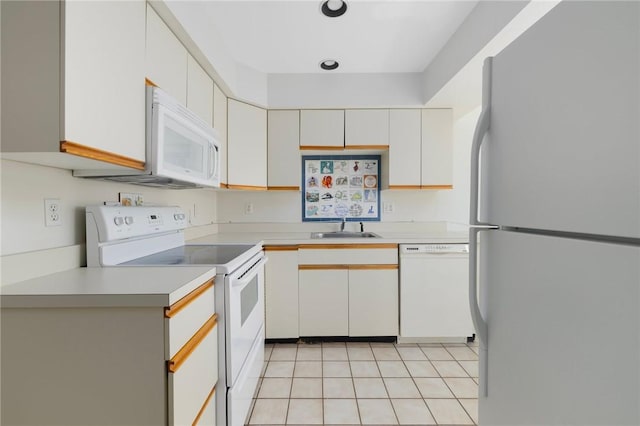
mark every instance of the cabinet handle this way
{"type": "Point", "coordinates": [100, 155]}
{"type": "Point", "coordinates": [349, 246]}
{"type": "Point", "coordinates": [179, 358]}
{"type": "Point", "coordinates": [348, 267]}
{"type": "Point", "coordinates": [173, 310]}
{"type": "Point", "coordinates": [204, 406]}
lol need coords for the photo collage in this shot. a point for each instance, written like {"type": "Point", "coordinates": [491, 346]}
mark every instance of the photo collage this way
{"type": "Point", "coordinates": [336, 187]}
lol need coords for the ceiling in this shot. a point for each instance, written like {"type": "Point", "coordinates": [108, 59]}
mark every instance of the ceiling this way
{"type": "Point", "coordinates": [293, 37]}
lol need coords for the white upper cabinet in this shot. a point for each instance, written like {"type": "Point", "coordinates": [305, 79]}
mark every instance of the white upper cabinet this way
{"type": "Point", "coordinates": [437, 148]}
{"type": "Point", "coordinates": [405, 148]}
{"type": "Point", "coordinates": [199, 91]}
{"type": "Point", "coordinates": [247, 139]}
{"type": "Point", "coordinates": [166, 58]}
{"type": "Point", "coordinates": [73, 81]}
{"type": "Point", "coordinates": [284, 161]}
{"type": "Point", "coordinates": [220, 124]}
{"type": "Point", "coordinates": [366, 128]}
{"type": "Point", "coordinates": [322, 129]}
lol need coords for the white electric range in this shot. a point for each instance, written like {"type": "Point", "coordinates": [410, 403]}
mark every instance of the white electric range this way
{"type": "Point", "coordinates": [154, 236]}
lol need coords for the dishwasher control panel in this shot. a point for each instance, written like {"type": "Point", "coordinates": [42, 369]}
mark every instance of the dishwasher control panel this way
{"type": "Point", "coordinates": [433, 248]}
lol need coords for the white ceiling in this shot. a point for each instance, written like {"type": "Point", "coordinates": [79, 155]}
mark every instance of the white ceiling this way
{"type": "Point", "coordinates": [392, 36]}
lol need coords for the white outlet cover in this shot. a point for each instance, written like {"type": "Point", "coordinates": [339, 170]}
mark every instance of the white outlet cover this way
{"type": "Point", "coordinates": [52, 213]}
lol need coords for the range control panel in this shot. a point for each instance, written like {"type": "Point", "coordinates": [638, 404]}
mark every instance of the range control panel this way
{"type": "Point", "coordinates": [120, 222]}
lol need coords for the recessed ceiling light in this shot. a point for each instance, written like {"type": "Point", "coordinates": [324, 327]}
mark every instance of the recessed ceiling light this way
{"type": "Point", "coordinates": [334, 8]}
{"type": "Point", "coordinates": [329, 64]}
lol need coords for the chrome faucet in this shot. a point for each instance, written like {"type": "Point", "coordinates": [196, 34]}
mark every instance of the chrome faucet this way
{"type": "Point", "coordinates": [361, 227]}
{"type": "Point", "coordinates": [344, 221]}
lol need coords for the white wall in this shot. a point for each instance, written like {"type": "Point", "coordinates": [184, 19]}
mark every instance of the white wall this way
{"type": "Point", "coordinates": [25, 186]}
{"type": "Point", "coordinates": [417, 206]}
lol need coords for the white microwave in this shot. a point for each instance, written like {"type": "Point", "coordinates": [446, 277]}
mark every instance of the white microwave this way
{"type": "Point", "coordinates": [182, 150]}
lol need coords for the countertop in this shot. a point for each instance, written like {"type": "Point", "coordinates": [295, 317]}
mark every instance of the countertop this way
{"type": "Point", "coordinates": [297, 238]}
{"type": "Point", "coordinates": [107, 287]}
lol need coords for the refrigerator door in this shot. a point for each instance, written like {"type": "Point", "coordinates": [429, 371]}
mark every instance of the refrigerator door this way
{"type": "Point", "coordinates": [563, 331]}
{"type": "Point", "coordinates": [562, 151]}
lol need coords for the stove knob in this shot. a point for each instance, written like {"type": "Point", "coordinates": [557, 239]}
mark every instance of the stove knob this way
{"type": "Point", "coordinates": [118, 220]}
{"type": "Point", "coordinates": [128, 220]}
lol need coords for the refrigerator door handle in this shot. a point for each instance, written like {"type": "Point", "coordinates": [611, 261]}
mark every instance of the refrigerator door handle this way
{"type": "Point", "coordinates": [477, 226]}
{"type": "Point", "coordinates": [479, 323]}
{"type": "Point", "coordinates": [478, 137]}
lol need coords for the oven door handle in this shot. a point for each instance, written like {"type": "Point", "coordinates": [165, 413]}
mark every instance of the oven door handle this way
{"type": "Point", "coordinates": [248, 275]}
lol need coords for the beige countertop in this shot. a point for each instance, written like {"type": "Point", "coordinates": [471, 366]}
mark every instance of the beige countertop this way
{"type": "Point", "coordinates": [296, 238]}
{"type": "Point", "coordinates": [107, 287]}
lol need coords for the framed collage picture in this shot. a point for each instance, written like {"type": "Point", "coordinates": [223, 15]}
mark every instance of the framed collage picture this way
{"type": "Point", "coordinates": [340, 186]}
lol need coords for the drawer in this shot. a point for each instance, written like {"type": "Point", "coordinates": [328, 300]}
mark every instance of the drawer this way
{"type": "Point", "coordinates": [193, 374]}
{"type": "Point", "coordinates": [377, 254]}
{"type": "Point", "coordinates": [188, 314]}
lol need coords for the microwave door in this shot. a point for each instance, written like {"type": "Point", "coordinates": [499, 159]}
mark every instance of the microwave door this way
{"type": "Point", "coordinates": [214, 161]}
{"type": "Point", "coordinates": [181, 148]}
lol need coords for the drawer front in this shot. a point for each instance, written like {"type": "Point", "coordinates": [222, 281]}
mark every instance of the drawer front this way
{"type": "Point", "coordinates": [184, 323]}
{"type": "Point", "coordinates": [348, 256]}
{"type": "Point", "coordinates": [191, 383]}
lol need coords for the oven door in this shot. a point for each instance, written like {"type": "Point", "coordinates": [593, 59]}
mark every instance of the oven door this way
{"type": "Point", "coordinates": [244, 303]}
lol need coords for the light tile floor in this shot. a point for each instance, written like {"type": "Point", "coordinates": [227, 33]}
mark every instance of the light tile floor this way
{"type": "Point", "coordinates": [368, 384]}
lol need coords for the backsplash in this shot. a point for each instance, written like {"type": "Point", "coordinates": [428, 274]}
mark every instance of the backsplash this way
{"type": "Point", "coordinates": [25, 186]}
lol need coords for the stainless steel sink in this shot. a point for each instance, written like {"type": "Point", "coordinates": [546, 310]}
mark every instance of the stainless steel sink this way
{"type": "Point", "coordinates": [343, 234]}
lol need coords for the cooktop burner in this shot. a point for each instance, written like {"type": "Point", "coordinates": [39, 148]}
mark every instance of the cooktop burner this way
{"type": "Point", "coordinates": [192, 255]}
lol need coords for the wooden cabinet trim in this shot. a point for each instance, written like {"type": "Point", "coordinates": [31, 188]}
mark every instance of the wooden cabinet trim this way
{"type": "Point", "coordinates": [404, 186]}
{"type": "Point", "coordinates": [280, 248]}
{"type": "Point", "coordinates": [173, 310]}
{"type": "Point", "coordinates": [373, 147]}
{"type": "Point", "coordinates": [247, 187]}
{"type": "Point", "coordinates": [204, 406]}
{"type": "Point", "coordinates": [436, 186]}
{"type": "Point", "coordinates": [349, 246]}
{"type": "Point", "coordinates": [181, 356]}
{"type": "Point", "coordinates": [74, 148]}
{"type": "Point", "coordinates": [321, 148]}
{"type": "Point", "coordinates": [348, 267]}
{"type": "Point", "coordinates": [321, 267]}
{"type": "Point", "coordinates": [148, 82]}
{"type": "Point", "coordinates": [374, 266]}
{"type": "Point", "coordinates": [283, 188]}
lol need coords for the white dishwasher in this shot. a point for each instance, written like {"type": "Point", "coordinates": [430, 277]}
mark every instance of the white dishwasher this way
{"type": "Point", "coordinates": [434, 293]}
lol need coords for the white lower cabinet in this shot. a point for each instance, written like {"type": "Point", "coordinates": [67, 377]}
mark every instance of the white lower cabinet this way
{"type": "Point", "coordinates": [117, 365]}
{"type": "Point", "coordinates": [348, 290]}
{"type": "Point", "coordinates": [324, 302]}
{"type": "Point", "coordinates": [373, 302]}
{"type": "Point", "coordinates": [281, 292]}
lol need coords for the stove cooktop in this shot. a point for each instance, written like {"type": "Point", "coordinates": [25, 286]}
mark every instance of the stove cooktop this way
{"type": "Point", "coordinates": [215, 255]}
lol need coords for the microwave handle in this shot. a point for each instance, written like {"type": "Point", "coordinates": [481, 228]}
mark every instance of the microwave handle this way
{"type": "Point", "coordinates": [213, 160]}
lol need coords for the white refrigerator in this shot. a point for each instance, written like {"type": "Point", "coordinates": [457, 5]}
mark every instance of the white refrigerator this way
{"type": "Point", "coordinates": [555, 215]}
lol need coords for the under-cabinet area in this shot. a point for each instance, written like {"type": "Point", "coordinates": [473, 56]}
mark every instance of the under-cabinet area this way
{"type": "Point", "coordinates": [137, 346]}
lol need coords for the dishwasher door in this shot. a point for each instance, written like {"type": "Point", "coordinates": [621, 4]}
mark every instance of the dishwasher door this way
{"type": "Point", "coordinates": [434, 293]}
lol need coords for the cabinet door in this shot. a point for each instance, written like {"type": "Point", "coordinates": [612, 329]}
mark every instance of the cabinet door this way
{"type": "Point", "coordinates": [199, 91]}
{"type": "Point", "coordinates": [220, 124]}
{"type": "Point", "coordinates": [281, 293]}
{"type": "Point", "coordinates": [364, 128]}
{"type": "Point", "coordinates": [323, 298]}
{"type": "Point", "coordinates": [437, 148]}
{"type": "Point", "coordinates": [247, 155]}
{"type": "Point", "coordinates": [405, 148]}
{"type": "Point", "coordinates": [373, 302]}
{"type": "Point", "coordinates": [322, 129]}
{"type": "Point", "coordinates": [166, 58]}
{"type": "Point", "coordinates": [103, 76]}
{"type": "Point", "coordinates": [284, 150]}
